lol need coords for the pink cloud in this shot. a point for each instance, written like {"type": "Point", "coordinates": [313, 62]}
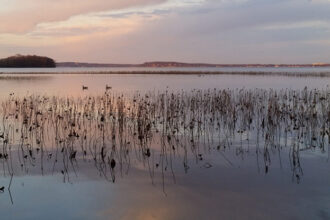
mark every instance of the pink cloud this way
{"type": "Point", "coordinates": [21, 15]}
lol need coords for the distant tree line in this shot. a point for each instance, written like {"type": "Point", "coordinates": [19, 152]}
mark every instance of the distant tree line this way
{"type": "Point", "coordinates": [20, 61]}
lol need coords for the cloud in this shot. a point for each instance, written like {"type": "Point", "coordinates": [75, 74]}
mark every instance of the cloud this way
{"type": "Point", "coordinates": [240, 31]}
{"type": "Point", "coordinates": [19, 16]}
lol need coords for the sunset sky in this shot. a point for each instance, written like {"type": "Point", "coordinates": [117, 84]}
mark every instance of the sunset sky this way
{"type": "Point", "coordinates": [135, 31]}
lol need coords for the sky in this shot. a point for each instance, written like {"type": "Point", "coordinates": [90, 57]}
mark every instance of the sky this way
{"type": "Point", "coordinates": [136, 31]}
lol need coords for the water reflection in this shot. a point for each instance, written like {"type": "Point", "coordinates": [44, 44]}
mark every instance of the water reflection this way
{"type": "Point", "coordinates": [217, 147]}
{"type": "Point", "coordinates": [24, 77]}
{"type": "Point", "coordinates": [155, 130]}
{"type": "Point", "coordinates": [71, 84]}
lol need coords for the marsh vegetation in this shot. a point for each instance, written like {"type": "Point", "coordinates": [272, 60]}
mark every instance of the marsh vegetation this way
{"type": "Point", "coordinates": [156, 129]}
{"type": "Point", "coordinates": [206, 143]}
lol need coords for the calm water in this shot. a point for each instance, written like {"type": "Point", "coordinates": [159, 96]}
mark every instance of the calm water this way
{"type": "Point", "coordinates": [124, 69]}
{"type": "Point", "coordinates": [211, 183]}
{"type": "Point", "coordinates": [71, 85]}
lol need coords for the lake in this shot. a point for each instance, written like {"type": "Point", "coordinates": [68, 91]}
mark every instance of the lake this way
{"type": "Point", "coordinates": [154, 146]}
{"type": "Point", "coordinates": [165, 69]}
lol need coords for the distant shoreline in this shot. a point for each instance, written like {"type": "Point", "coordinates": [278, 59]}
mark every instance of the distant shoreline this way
{"type": "Point", "coordinates": [27, 61]}
{"type": "Point", "coordinates": [164, 64]}
{"type": "Point", "coordinates": [35, 61]}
